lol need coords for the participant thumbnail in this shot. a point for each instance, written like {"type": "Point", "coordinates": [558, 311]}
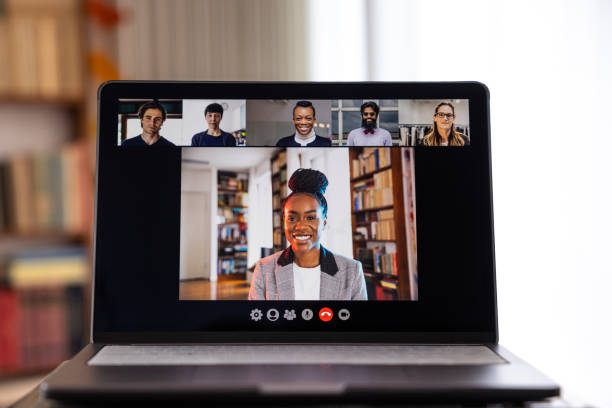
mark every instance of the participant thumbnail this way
{"type": "Point", "coordinates": [289, 122]}
{"type": "Point", "coordinates": [434, 122]}
{"type": "Point", "coordinates": [214, 123]}
{"type": "Point", "coordinates": [365, 122]}
{"type": "Point", "coordinates": [149, 122]}
{"type": "Point", "coordinates": [298, 224]}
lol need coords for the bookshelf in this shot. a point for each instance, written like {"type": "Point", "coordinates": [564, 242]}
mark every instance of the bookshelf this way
{"type": "Point", "coordinates": [278, 165]}
{"type": "Point", "coordinates": [378, 221]}
{"type": "Point", "coordinates": [46, 186]}
{"type": "Point", "coordinates": [232, 212]}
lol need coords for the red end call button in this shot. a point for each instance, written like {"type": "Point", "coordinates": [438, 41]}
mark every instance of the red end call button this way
{"type": "Point", "coordinates": [326, 314]}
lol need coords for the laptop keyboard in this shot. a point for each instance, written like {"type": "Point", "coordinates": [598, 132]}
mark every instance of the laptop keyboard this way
{"type": "Point", "coordinates": [238, 354]}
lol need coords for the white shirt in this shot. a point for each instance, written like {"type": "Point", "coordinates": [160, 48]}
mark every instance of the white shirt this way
{"type": "Point", "coordinates": [307, 282]}
{"type": "Point", "coordinates": [301, 140]}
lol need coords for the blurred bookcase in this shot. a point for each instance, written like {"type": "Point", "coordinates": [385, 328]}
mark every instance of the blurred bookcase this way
{"type": "Point", "coordinates": [46, 185]}
{"type": "Point", "coordinates": [232, 210]}
{"type": "Point", "coordinates": [278, 164]}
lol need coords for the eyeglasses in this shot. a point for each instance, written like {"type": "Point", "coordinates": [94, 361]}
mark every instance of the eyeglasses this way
{"type": "Point", "coordinates": [447, 116]}
{"type": "Point", "coordinates": [369, 114]}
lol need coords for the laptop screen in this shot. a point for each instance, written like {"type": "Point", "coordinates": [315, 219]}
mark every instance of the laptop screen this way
{"type": "Point", "coordinates": [277, 211]}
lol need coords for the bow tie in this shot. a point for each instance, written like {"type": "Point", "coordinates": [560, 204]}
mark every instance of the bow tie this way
{"type": "Point", "coordinates": [366, 131]}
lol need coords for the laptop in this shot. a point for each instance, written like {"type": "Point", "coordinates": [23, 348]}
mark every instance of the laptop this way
{"type": "Point", "coordinates": [279, 241]}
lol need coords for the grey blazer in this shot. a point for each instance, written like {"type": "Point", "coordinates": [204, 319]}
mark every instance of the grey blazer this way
{"type": "Point", "coordinates": [341, 278]}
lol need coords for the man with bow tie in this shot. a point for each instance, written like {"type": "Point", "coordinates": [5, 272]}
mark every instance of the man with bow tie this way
{"type": "Point", "coordinates": [368, 134]}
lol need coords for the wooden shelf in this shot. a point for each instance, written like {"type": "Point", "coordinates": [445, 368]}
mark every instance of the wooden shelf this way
{"type": "Point", "coordinates": [375, 240]}
{"type": "Point", "coordinates": [379, 275]}
{"type": "Point", "coordinates": [227, 191]}
{"type": "Point", "coordinates": [232, 206]}
{"type": "Point", "coordinates": [384, 207]}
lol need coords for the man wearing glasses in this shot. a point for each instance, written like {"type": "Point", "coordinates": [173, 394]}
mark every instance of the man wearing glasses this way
{"type": "Point", "coordinates": [152, 116]}
{"type": "Point", "coordinates": [368, 134]}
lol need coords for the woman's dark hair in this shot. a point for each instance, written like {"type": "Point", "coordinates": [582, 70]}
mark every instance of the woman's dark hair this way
{"type": "Point", "coordinates": [214, 108]}
{"type": "Point", "coordinates": [151, 105]}
{"type": "Point", "coordinates": [305, 104]}
{"type": "Point", "coordinates": [311, 182]}
{"type": "Point", "coordinates": [370, 104]}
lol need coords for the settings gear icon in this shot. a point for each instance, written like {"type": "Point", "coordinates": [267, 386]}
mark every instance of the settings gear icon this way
{"type": "Point", "coordinates": [256, 315]}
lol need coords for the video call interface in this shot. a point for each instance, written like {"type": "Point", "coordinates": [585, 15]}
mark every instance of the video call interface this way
{"type": "Point", "coordinates": [314, 201]}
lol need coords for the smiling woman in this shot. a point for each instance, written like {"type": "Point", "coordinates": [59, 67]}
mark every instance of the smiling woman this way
{"type": "Point", "coordinates": [304, 121]}
{"type": "Point", "coordinates": [306, 270]}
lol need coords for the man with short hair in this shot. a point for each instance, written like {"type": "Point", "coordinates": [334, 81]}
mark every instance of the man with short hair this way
{"type": "Point", "coordinates": [368, 134]}
{"type": "Point", "coordinates": [213, 136]}
{"type": "Point", "coordinates": [152, 116]}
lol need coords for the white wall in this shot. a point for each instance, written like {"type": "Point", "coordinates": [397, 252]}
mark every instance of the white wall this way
{"type": "Point", "coordinates": [337, 237]}
{"type": "Point", "coordinates": [198, 244]}
{"type": "Point", "coordinates": [547, 65]}
{"type": "Point", "coordinates": [260, 234]}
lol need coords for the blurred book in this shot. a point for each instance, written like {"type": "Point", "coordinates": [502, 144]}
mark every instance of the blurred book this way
{"type": "Point", "coordinates": [42, 308]}
{"type": "Point", "coordinates": [46, 192]}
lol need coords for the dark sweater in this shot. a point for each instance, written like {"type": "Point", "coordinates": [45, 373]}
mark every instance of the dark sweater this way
{"type": "Point", "coordinates": [139, 141]}
{"type": "Point", "coordinates": [204, 139]}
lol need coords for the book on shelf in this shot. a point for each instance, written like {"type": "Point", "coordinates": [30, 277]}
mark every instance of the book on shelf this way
{"type": "Point", "coordinates": [233, 181]}
{"type": "Point", "coordinates": [375, 225]}
{"type": "Point", "coordinates": [42, 308]}
{"type": "Point", "coordinates": [278, 237]}
{"type": "Point", "coordinates": [373, 192]}
{"type": "Point", "coordinates": [42, 43]}
{"type": "Point", "coordinates": [47, 191]}
{"type": "Point", "coordinates": [233, 231]}
{"type": "Point", "coordinates": [237, 199]}
{"type": "Point", "coordinates": [370, 160]}
{"type": "Point", "coordinates": [276, 217]}
{"type": "Point", "coordinates": [228, 266]}
{"type": "Point", "coordinates": [377, 260]}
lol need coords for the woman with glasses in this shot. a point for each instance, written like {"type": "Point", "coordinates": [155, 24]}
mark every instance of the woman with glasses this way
{"type": "Point", "coordinates": [444, 132]}
{"type": "Point", "coordinates": [306, 270]}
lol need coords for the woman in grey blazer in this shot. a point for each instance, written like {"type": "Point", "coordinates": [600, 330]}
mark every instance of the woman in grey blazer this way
{"type": "Point", "coordinates": [306, 270]}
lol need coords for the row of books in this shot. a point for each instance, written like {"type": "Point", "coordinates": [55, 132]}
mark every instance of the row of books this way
{"type": "Point", "coordinates": [278, 237]}
{"type": "Point", "coordinates": [228, 266]}
{"type": "Point", "coordinates": [279, 161]}
{"type": "Point", "coordinates": [41, 50]}
{"type": "Point", "coordinates": [373, 192]}
{"type": "Point", "coordinates": [279, 186]}
{"type": "Point", "coordinates": [231, 214]}
{"type": "Point", "coordinates": [46, 191]}
{"type": "Point", "coordinates": [371, 159]}
{"type": "Point", "coordinates": [233, 181]}
{"type": "Point", "coordinates": [277, 200]}
{"type": "Point", "coordinates": [276, 219]}
{"type": "Point", "coordinates": [375, 225]}
{"type": "Point", "coordinates": [42, 308]}
{"type": "Point", "coordinates": [233, 232]}
{"type": "Point", "coordinates": [240, 199]}
{"type": "Point", "coordinates": [381, 289]}
{"type": "Point", "coordinates": [376, 260]}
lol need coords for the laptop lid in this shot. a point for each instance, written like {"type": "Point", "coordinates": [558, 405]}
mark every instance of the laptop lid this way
{"type": "Point", "coordinates": [200, 237]}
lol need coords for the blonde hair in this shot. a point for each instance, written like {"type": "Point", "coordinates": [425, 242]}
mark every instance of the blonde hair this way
{"type": "Point", "coordinates": [433, 138]}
